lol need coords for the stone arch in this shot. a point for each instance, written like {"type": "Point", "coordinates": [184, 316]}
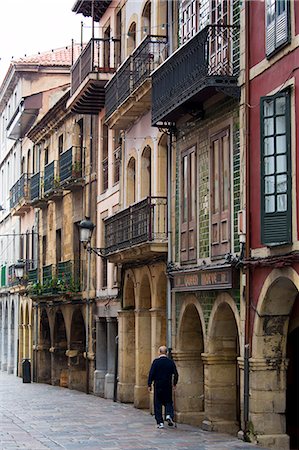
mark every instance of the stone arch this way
{"type": "Point", "coordinates": [146, 19]}
{"type": "Point", "coordinates": [275, 327]}
{"type": "Point", "coordinates": [144, 298]}
{"type": "Point", "coordinates": [190, 346]}
{"type": "Point", "coordinates": [44, 345]}
{"type": "Point", "coordinates": [162, 166]}
{"type": "Point", "coordinates": [146, 172]}
{"type": "Point", "coordinates": [127, 357]}
{"type": "Point", "coordinates": [222, 387]}
{"type": "Point", "coordinates": [131, 36]}
{"type": "Point", "coordinates": [59, 375]}
{"type": "Point", "coordinates": [77, 362]}
{"type": "Point", "coordinates": [131, 181]}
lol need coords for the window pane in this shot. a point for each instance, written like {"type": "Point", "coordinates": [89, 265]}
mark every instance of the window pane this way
{"type": "Point", "coordinates": [269, 126]}
{"type": "Point", "coordinates": [269, 165]}
{"type": "Point", "coordinates": [270, 204]}
{"type": "Point", "coordinates": [282, 202]}
{"type": "Point", "coordinates": [281, 7]}
{"type": "Point", "coordinates": [280, 124]}
{"type": "Point", "coordinates": [281, 144]}
{"type": "Point", "coordinates": [269, 146]}
{"type": "Point", "coordinates": [281, 183]}
{"type": "Point", "coordinates": [281, 163]}
{"type": "Point", "coordinates": [270, 185]}
{"type": "Point", "coordinates": [280, 105]}
{"type": "Point", "coordinates": [268, 108]}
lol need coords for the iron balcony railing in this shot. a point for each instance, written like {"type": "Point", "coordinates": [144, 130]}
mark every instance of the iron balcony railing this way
{"type": "Point", "coordinates": [32, 276]}
{"type": "Point", "coordinates": [51, 178]}
{"type": "Point", "coordinates": [68, 276]}
{"type": "Point", "coordinates": [12, 279]}
{"type": "Point", "coordinates": [70, 165]}
{"type": "Point", "coordinates": [95, 58]}
{"type": "Point", "coordinates": [210, 58]}
{"type": "Point", "coordinates": [20, 190]}
{"type": "Point", "coordinates": [35, 187]}
{"type": "Point", "coordinates": [134, 71]}
{"type": "Point", "coordinates": [142, 222]}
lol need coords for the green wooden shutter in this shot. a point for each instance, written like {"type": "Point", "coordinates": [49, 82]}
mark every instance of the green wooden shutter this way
{"type": "Point", "coordinates": [276, 198]}
{"type": "Point", "coordinates": [277, 24]}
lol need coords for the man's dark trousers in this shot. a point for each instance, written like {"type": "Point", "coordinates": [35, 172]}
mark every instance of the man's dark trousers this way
{"type": "Point", "coordinates": [161, 399]}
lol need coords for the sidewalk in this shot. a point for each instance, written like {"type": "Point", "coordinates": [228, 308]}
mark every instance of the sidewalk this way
{"type": "Point", "coordinates": [39, 416]}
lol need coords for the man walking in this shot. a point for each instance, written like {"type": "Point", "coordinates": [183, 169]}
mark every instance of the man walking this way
{"type": "Point", "coordinates": [163, 373]}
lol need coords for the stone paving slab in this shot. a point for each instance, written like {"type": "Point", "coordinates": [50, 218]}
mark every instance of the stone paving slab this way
{"type": "Point", "coordinates": [38, 417]}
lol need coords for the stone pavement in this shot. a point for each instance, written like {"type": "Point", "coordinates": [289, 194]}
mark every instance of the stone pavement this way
{"type": "Point", "coordinates": [38, 416]}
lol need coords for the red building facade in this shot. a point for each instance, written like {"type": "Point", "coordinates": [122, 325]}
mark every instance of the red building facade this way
{"type": "Point", "coordinates": [271, 97]}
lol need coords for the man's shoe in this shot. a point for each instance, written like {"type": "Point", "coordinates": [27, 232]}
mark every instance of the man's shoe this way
{"type": "Point", "coordinates": [160, 425]}
{"type": "Point", "coordinates": [169, 421]}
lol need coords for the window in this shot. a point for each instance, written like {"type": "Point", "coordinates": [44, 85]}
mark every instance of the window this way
{"type": "Point", "coordinates": [275, 169]}
{"type": "Point", "coordinates": [188, 206]}
{"type": "Point", "coordinates": [60, 143]}
{"type": "Point", "coordinates": [277, 24]}
{"type": "Point", "coordinates": [220, 194]}
{"type": "Point", "coordinates": [105, 158]}
{"type": "Point", "coordinates": [104, 273]}
{"type": "Point", "coordinates": [190, 19]}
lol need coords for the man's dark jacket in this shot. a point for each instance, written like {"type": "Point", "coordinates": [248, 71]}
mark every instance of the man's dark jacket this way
{"type": "Point", "coordinates": [164, 374]}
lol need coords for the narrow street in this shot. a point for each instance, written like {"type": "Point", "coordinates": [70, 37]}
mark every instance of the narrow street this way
{"type": "Point", "coordinates": [38, 416]}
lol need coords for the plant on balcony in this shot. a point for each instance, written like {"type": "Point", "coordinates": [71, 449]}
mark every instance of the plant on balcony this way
{"type": "Point", "coordinates": [56, 182]}
{"type": "Point", "coordinates": [35, 289]}
{"type": "Point", "coordinates": [76, 168]}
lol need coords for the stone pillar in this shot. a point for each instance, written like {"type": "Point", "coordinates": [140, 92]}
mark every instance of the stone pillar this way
{"type": "Point", "coordinates": [101, 357]}
{"type": "Point", "coordinates": [143, 357]}
{"type": "Point", "coordinates": [111, 344]}
{"type": "Point", "coordinates": [126, 356]}
{"type": "Point", "coordinates": [220, 393]}
{"type": "Point", "coordinates": [21, 350]}
{"type": "Point", "coordinates": [188, 397]}
{"type": "Point", "coordinates": [10, 343]}
{"type": "Point", "coordinates": [4, 341]}
{"type": "Point", "coordinates": [267, 403]}
{"type": "Point", "coordinates": [158, 326]}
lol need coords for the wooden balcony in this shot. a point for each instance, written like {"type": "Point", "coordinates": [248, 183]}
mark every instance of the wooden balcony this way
{"type": "Point", "coordinates": [51, 183]}
{"type": "Point", "coordinates": [204, 66]}
{"type": "Point", "coordinates": [92, 70]}
{"type": "Point", "coordinates": [70, 169]}
{"type": "Point", "coordinates": [138, 232]}
{"type": "Point", "coordinates": [128, 94]}
{"type": "Point", "coordinates": [20, 196]}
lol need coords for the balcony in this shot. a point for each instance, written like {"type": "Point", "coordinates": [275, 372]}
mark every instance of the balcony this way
{"type": "Point", "coordinates": [36, 195]}
{"type": "Point", "coordinates": [128, 94]}
{"type": "Point", "coordinates": [51, 187]}
{"type": "Point", "coordinates": [205, 65]}
{"type": "Point", "coordinates": [85, 7]}
{"type": "Point", "coordinates": [20, 196]}
{"type": "Point", "coordinates": [24, 116]}
{"type": "Point", "coordinates": [56, 281]}
{"type": "Point", "coordinates": [138, 232]}
{"type": "Point", "coordinates": [12, 279]}
{"type": "Point", "coordinates": [70, 169]}
{"type": "Point", "coordinates": [92, 70]}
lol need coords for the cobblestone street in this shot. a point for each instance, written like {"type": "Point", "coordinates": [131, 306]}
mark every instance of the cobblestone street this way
{"type": "Point", "coordinates": [38, 416]}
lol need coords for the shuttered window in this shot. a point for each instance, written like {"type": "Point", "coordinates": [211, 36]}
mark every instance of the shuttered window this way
{"type": "Point", "coordinates": [276, 224]}
{"type": "Point", "coordinates": [277, 24]}
{"type": "Point", "coordinates": [188, 206]}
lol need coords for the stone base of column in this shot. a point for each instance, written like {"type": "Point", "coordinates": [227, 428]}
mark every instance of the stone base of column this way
{"type": "Point", "coordinates": [4, 367]}
{"type": "Point", "coordinates": [125, 392]}
{"type": "Point", "coordinates": [222, 426]}
{"type": "Point", "coordinates": [10, 369]}
{"type": "Point", "coordinates": [275, 441]}
{"type": "Point", "coordinates": [99, 382]}
{"type": "Point", "coordinates": [141, 397]}
{"type": "Point", "coordinates": [109, 385]}
{"type": "Point", "coordinates": [194, 418]}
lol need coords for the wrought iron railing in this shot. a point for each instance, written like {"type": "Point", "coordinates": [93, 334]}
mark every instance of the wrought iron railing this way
{"type": "Point", "coordinates": [134, 71]}
{"type": "Point", "coordinates": [96, 57]}
{"type": "Point", "coordinates": [35, 187]}
{"type": "Point", "coordinates": [70, 164]}
{"type": "Point", "coordinates": [47, 277]}
{"type": "Point", "coordinates": [20, 190]}
{"type": "Point", "coordinates": [51, 178]}
{"type": "Point", "coordinates": [68, 276]}
{"type": "Point", "coordinates": [205, 60]}
{"type": "Point", "coordinates": [142, 222]}
{"type": "Point", "coordinates": [33, 275]}
{"type": "Point", "coordinates": [12, 279]}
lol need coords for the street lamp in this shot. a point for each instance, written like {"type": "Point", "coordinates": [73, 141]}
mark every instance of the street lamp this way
{"type": "Point", "coordinates": [19, 269]}
{"type": "Point", "coordinates": [86, 229]}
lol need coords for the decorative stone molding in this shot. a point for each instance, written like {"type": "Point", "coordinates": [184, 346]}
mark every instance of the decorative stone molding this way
{"type": "Point", "coordinates": [213, 359]}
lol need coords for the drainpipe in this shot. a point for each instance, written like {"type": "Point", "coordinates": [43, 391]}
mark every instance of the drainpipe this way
{"type": "Point", "coordinates": [247, 244]}
{"type": "Point", "coordinates": [169, 249]}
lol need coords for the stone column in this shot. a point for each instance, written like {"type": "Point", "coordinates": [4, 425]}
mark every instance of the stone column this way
{"type": "Point", "coordinates": [220, 393]}
{"type": "Point", "coordinates": [10, 343]}
{"type": "Point", "coordinates": [189, 395]}
{"type": "Point", "coordinates": [158, 335]}
{"type": "Point", "coordinates": [267, 403]}
{"type": "Point", "coordinates": [126, 321]}
{"type": "Point", "coordinates": [101, 357]}
{"type": "Point", "coordinates": [4, 341]}
{"type": "Point", "coordinates": [21, 350]}
{"type": "Point", "coordinates": [143, 357]}
{"type": "Point", "coordinates": [111, 344]}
